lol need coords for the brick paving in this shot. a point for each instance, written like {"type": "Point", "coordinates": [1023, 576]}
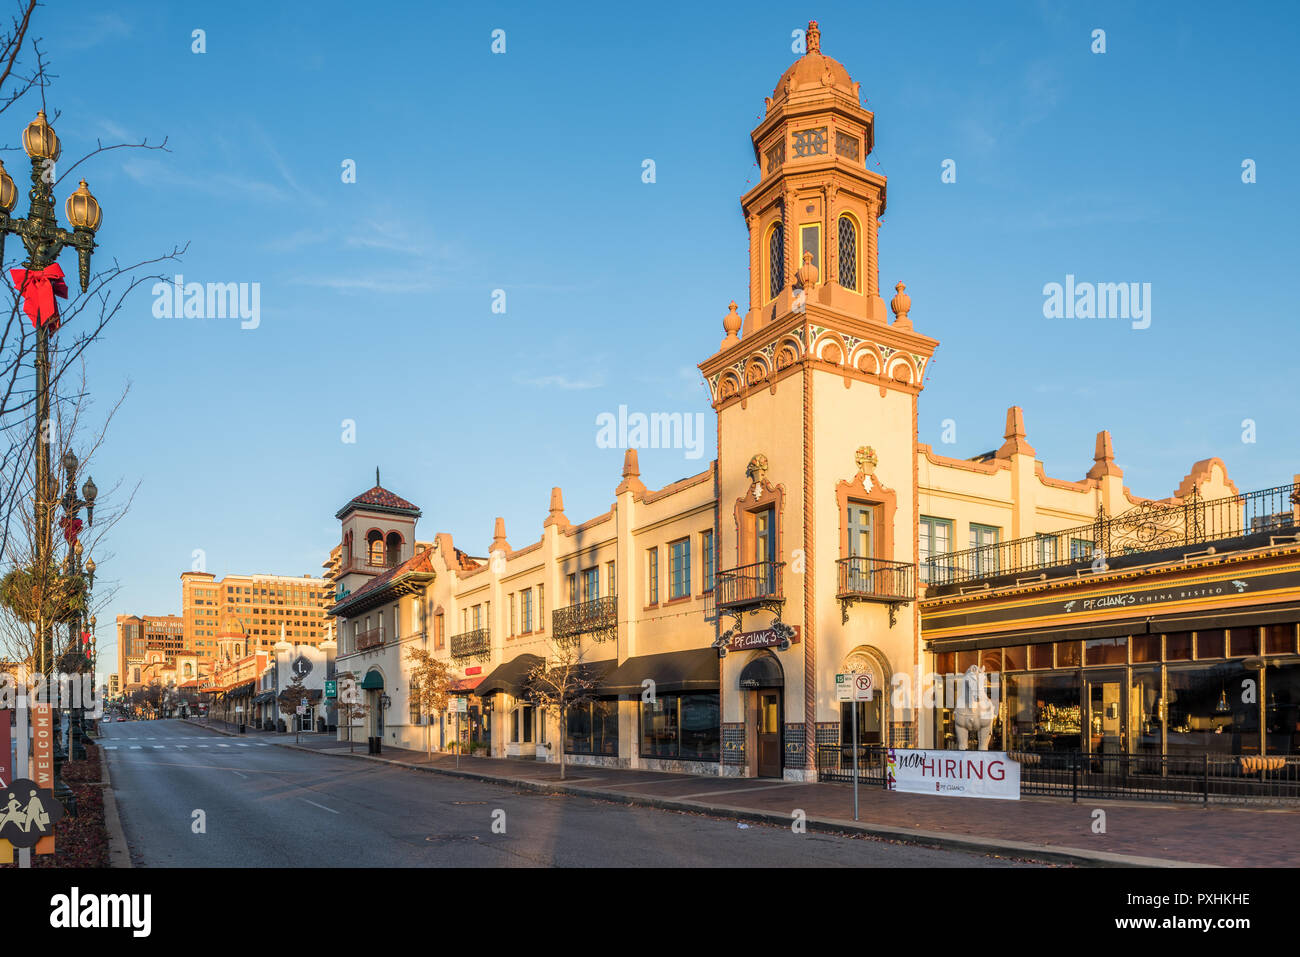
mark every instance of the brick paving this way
{"type": "Point", "coordinates": [1135, 833]}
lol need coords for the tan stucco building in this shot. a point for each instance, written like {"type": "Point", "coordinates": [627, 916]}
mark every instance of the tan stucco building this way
{"type": "Point", "coordinates": [715, 613]}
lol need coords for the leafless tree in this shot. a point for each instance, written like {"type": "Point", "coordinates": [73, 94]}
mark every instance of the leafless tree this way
{"type": "Point", "coordinates": [560, 683]}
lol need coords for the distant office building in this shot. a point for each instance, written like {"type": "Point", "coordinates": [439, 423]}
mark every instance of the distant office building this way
{"type": "Point", "coordinates": [259, 604]}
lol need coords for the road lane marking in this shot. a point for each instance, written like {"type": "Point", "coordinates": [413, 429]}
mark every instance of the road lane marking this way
{"type": "Point", "coordinates": [223, 745]}
{"type": "Point", "coordinates": [321, 806]}
{"type": "Point", "coordinates": [136, 747]}
{"type": "Point", "coordinates": [240, 773]}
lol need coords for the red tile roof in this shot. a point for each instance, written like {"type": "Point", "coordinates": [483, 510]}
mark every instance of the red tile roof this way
{"type": "Point", "coordinates": [420, 563]}
{"type": "Point", "coordinates": [382, 498]}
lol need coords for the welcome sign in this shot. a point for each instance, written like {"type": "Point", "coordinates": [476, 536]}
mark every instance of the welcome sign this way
{"type": "Point", "coordinates": [982, 774]}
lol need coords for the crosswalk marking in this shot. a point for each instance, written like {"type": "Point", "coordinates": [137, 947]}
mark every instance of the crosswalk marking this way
{"type": "Point", "coordinates": [223, 745]}
{"type": "Point", "coordinates": [136, 747]}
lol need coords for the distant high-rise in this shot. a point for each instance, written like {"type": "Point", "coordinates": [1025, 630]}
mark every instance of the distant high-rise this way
{"type": "Point", "coordinates": [257, 606]}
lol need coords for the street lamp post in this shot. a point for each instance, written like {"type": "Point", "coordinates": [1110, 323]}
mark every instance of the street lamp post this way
{"type": "Point", "coordinates": [78, 650]}
{"type": "Point", "coordinates": [41, 280]}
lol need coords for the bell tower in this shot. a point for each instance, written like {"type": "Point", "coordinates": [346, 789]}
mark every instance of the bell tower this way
{"type": "Point", "coordinates": [816, 394]}
{"type": "Point", "coordinates": [814, 214]}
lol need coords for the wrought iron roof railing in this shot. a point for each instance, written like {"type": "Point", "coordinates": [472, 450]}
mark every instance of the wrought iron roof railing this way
{"type": "Point", "coordinates": [472, 644]}
{"type": "Point", "coordinates": [597, 619]}
{"type": "Point", "coordinates": [373, 638]}
{"type": "Point", "coordinates": [1149, 527]}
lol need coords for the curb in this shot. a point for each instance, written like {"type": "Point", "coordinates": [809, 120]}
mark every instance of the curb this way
{"type": "Point", "coordinates": [979, 845]}
{"type": "Point", "coordinates": [119, 855]}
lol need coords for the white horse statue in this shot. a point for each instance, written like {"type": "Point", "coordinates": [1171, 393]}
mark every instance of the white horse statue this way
{"type": "Point", "coordinates": [975, 709]}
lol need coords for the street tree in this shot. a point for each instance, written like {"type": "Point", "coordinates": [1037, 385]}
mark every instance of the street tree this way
{"type": "Point", "coordinates": [560, 683]}
{"type": "Point", "coordinates": [430, 680]}
{"type": "Point", "coordinates": [292, 696]}
{"type": "Point", "coordinates": [351, 705]}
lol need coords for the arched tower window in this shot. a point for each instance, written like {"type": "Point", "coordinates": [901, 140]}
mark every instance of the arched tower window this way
{"type": "Point", "coordinates": [775, 261]}
{"type": "Point", "coordinates": [848, 258]}
{"type": "Point", "coordinates": [393, 554]}
{"type": "Point", "coordinates": [375, 548]}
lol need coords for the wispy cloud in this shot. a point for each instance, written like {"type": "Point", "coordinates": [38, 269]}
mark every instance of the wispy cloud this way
{"type": "Point", "coordinates": [83, 32]}
{"type": "Point", "coordinates": [562, 382]}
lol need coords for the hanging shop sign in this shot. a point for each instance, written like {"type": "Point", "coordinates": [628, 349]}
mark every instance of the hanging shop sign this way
{"type": "Point", "coordinates": [981, 774]}
{"type": "Point", "coordinates": [763, 638]}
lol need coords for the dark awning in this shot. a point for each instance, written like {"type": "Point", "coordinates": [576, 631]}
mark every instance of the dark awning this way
{"type": "Point", "coordinates": [373, 681]}
{"type": "Point", "coordinates": [508, 676]}
{"type": "Point", "coordinates": [264, 697]}
{"type": "Point", "coordinates": [1152, 624]}
{"type": "Point", "coordinates": [763, 672]}
{"type": "Point", "coordinates": [673, 671]}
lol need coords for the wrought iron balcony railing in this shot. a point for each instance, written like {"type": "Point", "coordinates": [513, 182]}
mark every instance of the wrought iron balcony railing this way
{"type": "Point", "coordinates": [859, 578]}
{"type": "Point", "coordinates": [756, 584]}
{"type": "Point", "coordinates": [1149, 527]}
{"type": "Point", "coordinates": [373, 638]}
{"type": "Point", "coordinates": [597, 619]}
{"type": "Point", "coordinates": [471, 644]}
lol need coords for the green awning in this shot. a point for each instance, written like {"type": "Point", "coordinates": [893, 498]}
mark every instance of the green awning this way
{"type": "Point", "coordinates": [374, 681]}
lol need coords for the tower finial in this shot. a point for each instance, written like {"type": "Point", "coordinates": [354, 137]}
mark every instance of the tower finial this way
{"type": "Point", "coordinates": [813, 38]}
{"type": "Point", "coordinates": [376, 474]}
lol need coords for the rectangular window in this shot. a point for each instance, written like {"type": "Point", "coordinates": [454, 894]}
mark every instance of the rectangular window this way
{"type": "Point", "coordinates": [810, 240]}
{"type": "Point", "coordinates": [1045, 549]}
{"type": "Point", "coordinates": [710, 569]}
{"type": "Point", "coordinates": [679, 569]}
{"type": "Point", "coordinates": [764, 533]}
{"type": "Point", "coordinates": [593, 728]}
{"type": "Point", "coordinates": [541, 607]}
{"type": "Point", "coordinates": [985, 537]}
{"type": "Point", "coordinates": [1080, 550]}
{"type": "Point", "coordinates": [652, 576]}
{"type": "Point", "coordinates": [681, 727]}
{"type": "Point", "coordinates": [412, 697]}
{"type": "Point", "coordinates": [573, 589]}
{"type": "Point", "coordinates": [934, 541]}
{"type": "Point", "coordinates": [526, 610]}
{"type": "Point", "coordinates": [510, 599]}
{"type": "Point", "coordinates": [610, 587]}
{"type": "Point", "coordinates": [591, 583]}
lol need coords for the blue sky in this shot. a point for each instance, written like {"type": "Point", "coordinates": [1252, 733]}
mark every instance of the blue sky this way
{"type": "Point", "coordinates": [522, 172]}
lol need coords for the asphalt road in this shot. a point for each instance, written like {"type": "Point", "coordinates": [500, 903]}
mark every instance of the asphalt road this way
{"type": "Point", "coordinates": [264, 805]}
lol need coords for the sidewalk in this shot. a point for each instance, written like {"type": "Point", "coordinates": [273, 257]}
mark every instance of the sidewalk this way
{"type": "Point", "coordinates": [1142, 835]}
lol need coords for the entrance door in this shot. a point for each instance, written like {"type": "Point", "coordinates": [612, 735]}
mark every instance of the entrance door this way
{"type": "Point", "coordinates": [769, 734]}
{"type": "Point", "coordinates": [1106, 728]}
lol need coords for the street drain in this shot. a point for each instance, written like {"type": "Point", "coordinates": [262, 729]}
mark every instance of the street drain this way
{"type": "Point", "coordinates": [449, 838]}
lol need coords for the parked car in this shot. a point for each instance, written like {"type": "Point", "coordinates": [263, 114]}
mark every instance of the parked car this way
{"type": "Point", "coordinates": [121, 718]}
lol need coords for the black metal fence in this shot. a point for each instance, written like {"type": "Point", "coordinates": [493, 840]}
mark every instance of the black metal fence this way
{"type": "Point", "coordinates": [1193, 778]}
{"type": "Point", "coordinates": [471, 644]}
{"type": "Point", "coordinates": [1148, 527]}
{"type": "Point", "coordinates": [1199, 778]}
{"type": "Point", "coordinates": [597, 619]}
{"type": "Point", "coordinates": [758, 582]}
{"type": "Point", "coordinates": [835, 763]}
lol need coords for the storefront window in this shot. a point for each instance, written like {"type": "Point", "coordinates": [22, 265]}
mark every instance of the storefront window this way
{"type": "Point", "coordinates": [1040, 656]}
{"type": "Point", "coordinates": [1043, 712]}
{"type": "Point", "coordinates": [1279, 639]}
{"type": "Point", "coordinates": [1144, 700]}
{"type": "Point", "coordinates": [1178, 646]}
{"type": "Point", "coordinates": [1282, 707]}
{"type": "Point", "coordinates": [1145, 648]}
{"type": "Point", "coordinates": [1209, 710]}
{"type": "Point", "coordinates": [1106, 651]}
{"type": "Point", "coordinates": [593, 728]}
{"type": "Point", "coordinates": [681, 726]}
{"type": "Point", "coordinates": [1209, 644]}
{"type": "Point", "coordinates": [950, 695]}
{"type": "Point", "coordinates": [1068, 654]}
{"type": "Point", "coordinates": [1244, 642]}
{"type": "Point", "coordinates": [1016, 657]}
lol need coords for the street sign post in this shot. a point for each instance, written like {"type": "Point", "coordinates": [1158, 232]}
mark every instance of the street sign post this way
{"type": "Point", "coordinates": [331, 688]}
{"type": "Point", "coordinates": [854, 687]}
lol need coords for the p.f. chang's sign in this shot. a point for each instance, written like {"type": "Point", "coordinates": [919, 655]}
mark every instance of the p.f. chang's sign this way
{"type": "Point", "coordinates": [764, 638]}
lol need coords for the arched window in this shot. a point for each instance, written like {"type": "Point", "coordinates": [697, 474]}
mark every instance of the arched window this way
{"type": "Point", "coordinates": [775, 261]}
{"type": "Point", "coordinates": [393, 554]}
{"type": "Point", "coordinates": [375, 548]}
{"type": "Point", "coordinates": [848, 258]}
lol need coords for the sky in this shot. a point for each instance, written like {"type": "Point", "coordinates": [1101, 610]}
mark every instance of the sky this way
{"type": "Point", "coordinates": [521, 171]}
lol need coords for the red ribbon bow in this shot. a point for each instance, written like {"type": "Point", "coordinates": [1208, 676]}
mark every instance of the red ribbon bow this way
{"type": "Point", "coordinates": [71, 528]}
{"type": "Point", "coordinates": [38, 288]}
